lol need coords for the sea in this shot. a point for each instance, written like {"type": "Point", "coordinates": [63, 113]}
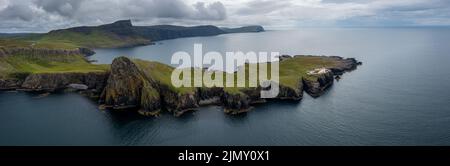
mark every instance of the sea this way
{"type": "Point", "coordinates": [399, 96]}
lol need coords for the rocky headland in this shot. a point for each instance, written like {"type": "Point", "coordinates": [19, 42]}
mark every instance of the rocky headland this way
{"type": "Point", "coordinates": [55, 61]}
{"type": "Point", "coordinates": [144, 86]}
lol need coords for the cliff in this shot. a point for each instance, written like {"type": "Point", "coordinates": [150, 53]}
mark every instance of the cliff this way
{"type": "Point", "coordinates": [59, 81]}
{"type": "Point", "coordinates": [10, 84]}
{"type": "Point", "coordinates": [49, 70]}
{"type": "Point", "coordinates": [138, 84]}
{"type": "Point", "coordinates": [127, 88]}
{"type": "Point", "coordinates": [146, 86]}
{"type": "Point", "coordinates": [246, 29]}
{"type": "Point", "coordinates": [317, 83]}
{"type": "Point", "coordinates": [164, 32]}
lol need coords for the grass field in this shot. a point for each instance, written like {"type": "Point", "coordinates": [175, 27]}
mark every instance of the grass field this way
{"type": "Point", "coordinates": [294, 69]}
{"type": "Point", "coordinates": [35, 42]}
{"type": "Point", "coordinates": [94, 39]}
{"type": "Point", "coordinates": [10, 66]}
{"type": "Point", "coordinates": [65, 39]}
{"type": "Point", "coordinates": [291, 72]}
{"type": "Point", "coordinates": [161, 73]}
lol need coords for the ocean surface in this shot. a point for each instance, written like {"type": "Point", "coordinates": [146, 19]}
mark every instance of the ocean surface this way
{"type": "Point", "coordinates": [399, 96]}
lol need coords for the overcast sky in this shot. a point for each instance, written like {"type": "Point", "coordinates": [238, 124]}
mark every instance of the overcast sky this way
{"type": "Point", "coordinates": [44, 15]}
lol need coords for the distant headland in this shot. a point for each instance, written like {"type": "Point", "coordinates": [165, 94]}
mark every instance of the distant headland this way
{"type": "Point", "coordinates": [118, 34]}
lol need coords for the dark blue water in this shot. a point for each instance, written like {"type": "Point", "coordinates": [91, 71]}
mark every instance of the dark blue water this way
{"type": "Point", "coordinates": [400, 96]}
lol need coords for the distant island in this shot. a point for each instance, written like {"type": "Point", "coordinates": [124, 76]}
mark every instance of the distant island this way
{"type": "Point", "coordinates": [55, 61]}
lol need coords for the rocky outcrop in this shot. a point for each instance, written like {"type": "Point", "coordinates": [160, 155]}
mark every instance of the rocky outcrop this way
{"type": "Point", "coordinates": [242, 101]}
{"type": "Point", "coordinates": [127, 88]}
{"type": "Point", "coordinates": [288, 93]}
{"type": "Point", "coordinates": [2, 52]}
{"type": "Point", "coordinates": [344, 65]}
{"type": "Point", "coordinates": [284, 57]}
{"type": "Point", "coordinates": [210, 96]}
{"type": "Point", "coordinates": [315, 85]}
{"type": "Point", "coordinates": [130, 87]}
{"type": "Point", "coordinates": [10, 84]}
{"type": "Point", "coordinates": [86, 51]}
{"type": "Point", "coordinates": [320, 79]}
{"type": "Point", "coordinates": [59, 81]}
{"type": "Point", "coordinates": [178, 103]}
{"type": "Point", "coordinates": [235, 103]}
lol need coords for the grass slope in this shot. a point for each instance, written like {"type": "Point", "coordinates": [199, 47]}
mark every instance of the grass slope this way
{"type": "Point", "coordinates": [291, 72]}
{"type": "Point", "coordinates": [160, 73]}
{"type": "Point", "coordinates": [13, 66]}
{"type": "Point", "coordinates": [92, 39]}
{"type": "Point", "coordinates": [294, 69]}
{"type": "Point", "coordinates": [65, 39]}
{"type": "Point", "coordinates": [35, 41]}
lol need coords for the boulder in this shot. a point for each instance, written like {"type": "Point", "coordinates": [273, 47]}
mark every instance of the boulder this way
{"type": "Point", "coordinates": [78, 86]}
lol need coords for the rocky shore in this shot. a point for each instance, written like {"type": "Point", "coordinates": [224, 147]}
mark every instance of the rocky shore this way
{"type": "Point", "coordinates": [130, 85]}
{"type": "Point", "coordinates": [44, 51]}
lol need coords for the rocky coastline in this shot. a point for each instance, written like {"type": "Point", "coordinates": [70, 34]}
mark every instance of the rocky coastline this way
{"type": "Point", "coordinates": [30, 51]}
{"type": "Point", "coordinates": [129, 87]}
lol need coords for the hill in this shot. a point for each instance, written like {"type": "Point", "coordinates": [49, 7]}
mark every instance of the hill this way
{"type": "Point", "coordinates": [118, 34]}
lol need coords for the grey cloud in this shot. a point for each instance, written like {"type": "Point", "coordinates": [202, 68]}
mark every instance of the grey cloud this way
{"type": "Point", "coordinates": [154, 8]}
{"type": "Point", "coordinates": [65, 8]}
{"type": "Point", "coordinates": [42, 15]}
{"type": "Point", "coordinates": [17, 11]}
{"type": "Point", "coordinates": [174, 9]}
{"type": "Point", "coordinates": [417, 6]}
{"type": "Point", "coordinates": [214, 11]}
{"type": "Point", "coordinates": [262, 6]}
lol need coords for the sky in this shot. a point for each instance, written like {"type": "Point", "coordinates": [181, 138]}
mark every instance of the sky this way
{"type": "Point", "coordinates": [45, 15]}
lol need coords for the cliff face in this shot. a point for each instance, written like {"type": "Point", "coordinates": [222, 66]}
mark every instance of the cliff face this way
{"type": "Point", "coordinates": [322, 78]}
{"type": "Point", "coordinates": [317, 85]}
{"type": "Point", "coordinates": [178, 103]}
{"type": "Point", "coordinates": [344, 65]}
{"type": "Point", "coordinates": [245, 29]}
{"type": "Point", "coordinates": [235, 103]}
{"type": "Point", "coordinates": [164, 32]}
{"type": "Point", "coordinates": [10, 84]}
{"type": "Point", "coordinates": [127, 88]}
{"type": "Point", "coordinates": [143, 85]}
{"type": "Point", "coordinates": [132, 86]}
{"type": "Point", "coordinates": [59, 81]}
{"type": "Point", "coordinates": [122, 28]}
{"type": "Point", "coordinates": [288, 93]}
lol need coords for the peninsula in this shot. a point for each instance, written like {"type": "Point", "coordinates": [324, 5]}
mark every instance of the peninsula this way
{"type": "Point", "coordinates": [56, 61]}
